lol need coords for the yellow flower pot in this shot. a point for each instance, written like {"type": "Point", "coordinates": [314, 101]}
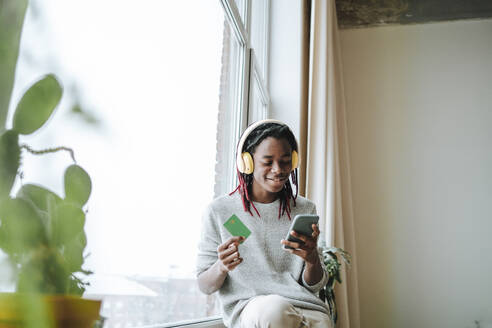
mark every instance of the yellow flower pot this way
{"type": "Point", "coordinates": [47, 311]}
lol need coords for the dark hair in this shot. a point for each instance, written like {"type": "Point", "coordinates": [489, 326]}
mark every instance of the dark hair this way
{"type": "Point", "coordinates": [260, 133]}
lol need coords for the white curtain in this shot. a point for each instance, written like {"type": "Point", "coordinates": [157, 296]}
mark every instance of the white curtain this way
{"type": "Point", "coordinates": [327, 157]}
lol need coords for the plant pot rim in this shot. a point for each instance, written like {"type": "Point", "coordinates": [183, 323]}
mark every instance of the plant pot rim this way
{"type": "Point", "coordinates": [13, 307]}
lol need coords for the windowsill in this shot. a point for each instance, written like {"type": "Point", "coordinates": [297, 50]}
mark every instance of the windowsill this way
{"type": "Point", "coordinates": [213, 322]}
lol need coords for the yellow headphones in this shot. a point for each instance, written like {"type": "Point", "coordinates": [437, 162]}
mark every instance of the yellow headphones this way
{"type": "Point", "coordinates": [244, 160]}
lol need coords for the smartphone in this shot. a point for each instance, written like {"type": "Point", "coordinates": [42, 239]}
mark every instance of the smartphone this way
{"type": "Point", "coordinates": [302, 224]}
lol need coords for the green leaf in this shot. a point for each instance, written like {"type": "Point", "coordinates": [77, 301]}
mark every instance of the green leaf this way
{"type": "Point", "coordinates": [39, 195]}
{"type": "Point", "coordinates": [78, 185]}
{"type": "Point", "coordinates": [337, 277]}
{"type": "Point", "coordinates": [67, 222]}
{"type": "Point", "coordinates": [37, 105]}
{"type": "Point", "coordinates": [9, 161]}
{"type": "Point", "coordinates": [74, 252]}
{"type": "Point", "coordinates": [22, 228]}
{"type": "Point", "coordinates": [44, 271]}
{"type": "Point", "coordinates": [82, 239]}
{"type": "Point", "coordinates": [12, 15]}
{"type": "Point", "coordinates": [76, 286]}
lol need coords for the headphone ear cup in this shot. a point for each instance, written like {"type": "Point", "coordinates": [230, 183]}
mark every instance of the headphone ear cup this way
{"type": "Point", "coordinates": [248, 163]}
{"type": "Point", "coordinates": [240, 164]}
{"type": "Point", "coordinates": [295, 160]}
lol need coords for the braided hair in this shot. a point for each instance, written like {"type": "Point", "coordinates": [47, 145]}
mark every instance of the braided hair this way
{"type": "Point", "coordinates": [260, 133]}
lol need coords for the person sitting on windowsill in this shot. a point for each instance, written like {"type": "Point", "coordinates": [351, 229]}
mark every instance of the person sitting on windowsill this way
{"type": "Point", "coordinates": [259, 282]}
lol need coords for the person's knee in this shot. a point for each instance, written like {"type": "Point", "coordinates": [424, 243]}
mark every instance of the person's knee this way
{"type": "Point", "coordinates": [272, 311]}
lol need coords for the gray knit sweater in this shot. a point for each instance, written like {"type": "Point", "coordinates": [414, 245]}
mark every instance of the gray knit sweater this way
{"type": "Point", "coordinates": [267, 268]}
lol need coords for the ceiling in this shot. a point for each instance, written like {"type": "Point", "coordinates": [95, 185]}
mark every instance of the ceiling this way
{"type": "Point", "coordinates": [367, 13]}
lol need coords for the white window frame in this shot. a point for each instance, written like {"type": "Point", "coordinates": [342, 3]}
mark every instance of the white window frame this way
{"type": "Point", "coordinates": [213, 322]}
{"type": "Point", "coordinates": [255, 77]}
{"type": "Point", "coordinates": [248, 70]}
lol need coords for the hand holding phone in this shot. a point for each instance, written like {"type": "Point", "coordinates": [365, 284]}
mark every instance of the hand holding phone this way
{"type": "Point", "coordinates": [303, 225]}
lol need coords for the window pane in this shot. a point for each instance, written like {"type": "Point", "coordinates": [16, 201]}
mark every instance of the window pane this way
{"type": "Point", "coordinates": [229, 112]}
{"type": "Point", "coordinates": [258, 32]}
{"type": "Point", "coordinates": [257, 107]}
{"type": "Point", "coordinates": [140, 110]}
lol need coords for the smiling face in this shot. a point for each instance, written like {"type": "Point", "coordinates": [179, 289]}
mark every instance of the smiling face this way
{"type": "Point", "coordinates": [272, 166]}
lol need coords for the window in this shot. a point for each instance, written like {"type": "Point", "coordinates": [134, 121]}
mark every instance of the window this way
{"type": "Point", "coordinates": [258, 97]}
{"type": "Point", "coordinates": [140, 109]}
{"type": "Point", "coordinates": [244, 93]}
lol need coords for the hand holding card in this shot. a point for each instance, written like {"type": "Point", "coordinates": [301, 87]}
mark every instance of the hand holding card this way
{"type": "Point", "coordinates": [236, 227]}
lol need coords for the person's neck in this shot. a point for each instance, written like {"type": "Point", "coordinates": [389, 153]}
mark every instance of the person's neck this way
{"type": "Point", "coordinates": [262, 196]}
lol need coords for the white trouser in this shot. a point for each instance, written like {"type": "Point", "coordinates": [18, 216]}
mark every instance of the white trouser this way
{"type": "Point", "coordinates": [274, 311]}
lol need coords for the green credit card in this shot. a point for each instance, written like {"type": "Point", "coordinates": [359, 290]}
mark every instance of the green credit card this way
{"type": "Point", "coordinates": [236, 227]}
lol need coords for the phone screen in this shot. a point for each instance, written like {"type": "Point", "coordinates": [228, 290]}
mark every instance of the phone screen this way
{"type": "Point", "coordinates": [302, 224]}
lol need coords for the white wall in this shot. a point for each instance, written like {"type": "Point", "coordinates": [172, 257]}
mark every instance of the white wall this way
{"type": "Point", "coordinates": [419, 112]}
{"type": "Point", "coordinates": [285, 57]}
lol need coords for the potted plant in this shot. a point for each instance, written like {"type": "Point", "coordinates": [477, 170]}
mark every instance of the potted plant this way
{"type": "Point", "coordinates": [333, 267]}
{"type": "Point", "coordinates": [41, 232]}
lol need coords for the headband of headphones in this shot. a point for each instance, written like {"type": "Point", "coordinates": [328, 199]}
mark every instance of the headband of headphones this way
{"type": "Point", "coordinates": [244, 160]}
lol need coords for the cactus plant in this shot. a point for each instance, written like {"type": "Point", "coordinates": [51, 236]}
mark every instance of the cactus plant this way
{"type": "Point", "coordinates": [42, 232]}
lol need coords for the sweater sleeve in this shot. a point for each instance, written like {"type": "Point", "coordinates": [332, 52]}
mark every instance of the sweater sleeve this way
{"type": "Point", "coordinates": [319, 285]}
{"type": "Point", "coordinates": [209, 242]}
{"type": "Point", "coordinates": [324, 280]}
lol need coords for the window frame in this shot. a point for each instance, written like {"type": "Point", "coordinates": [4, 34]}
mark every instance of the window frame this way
{"type": "Point", "coordinates": [249, 72]}
{"type": "Point", "coordinates": [212, 322]}
{"type": "Point", "coordinates": [256, 79]}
